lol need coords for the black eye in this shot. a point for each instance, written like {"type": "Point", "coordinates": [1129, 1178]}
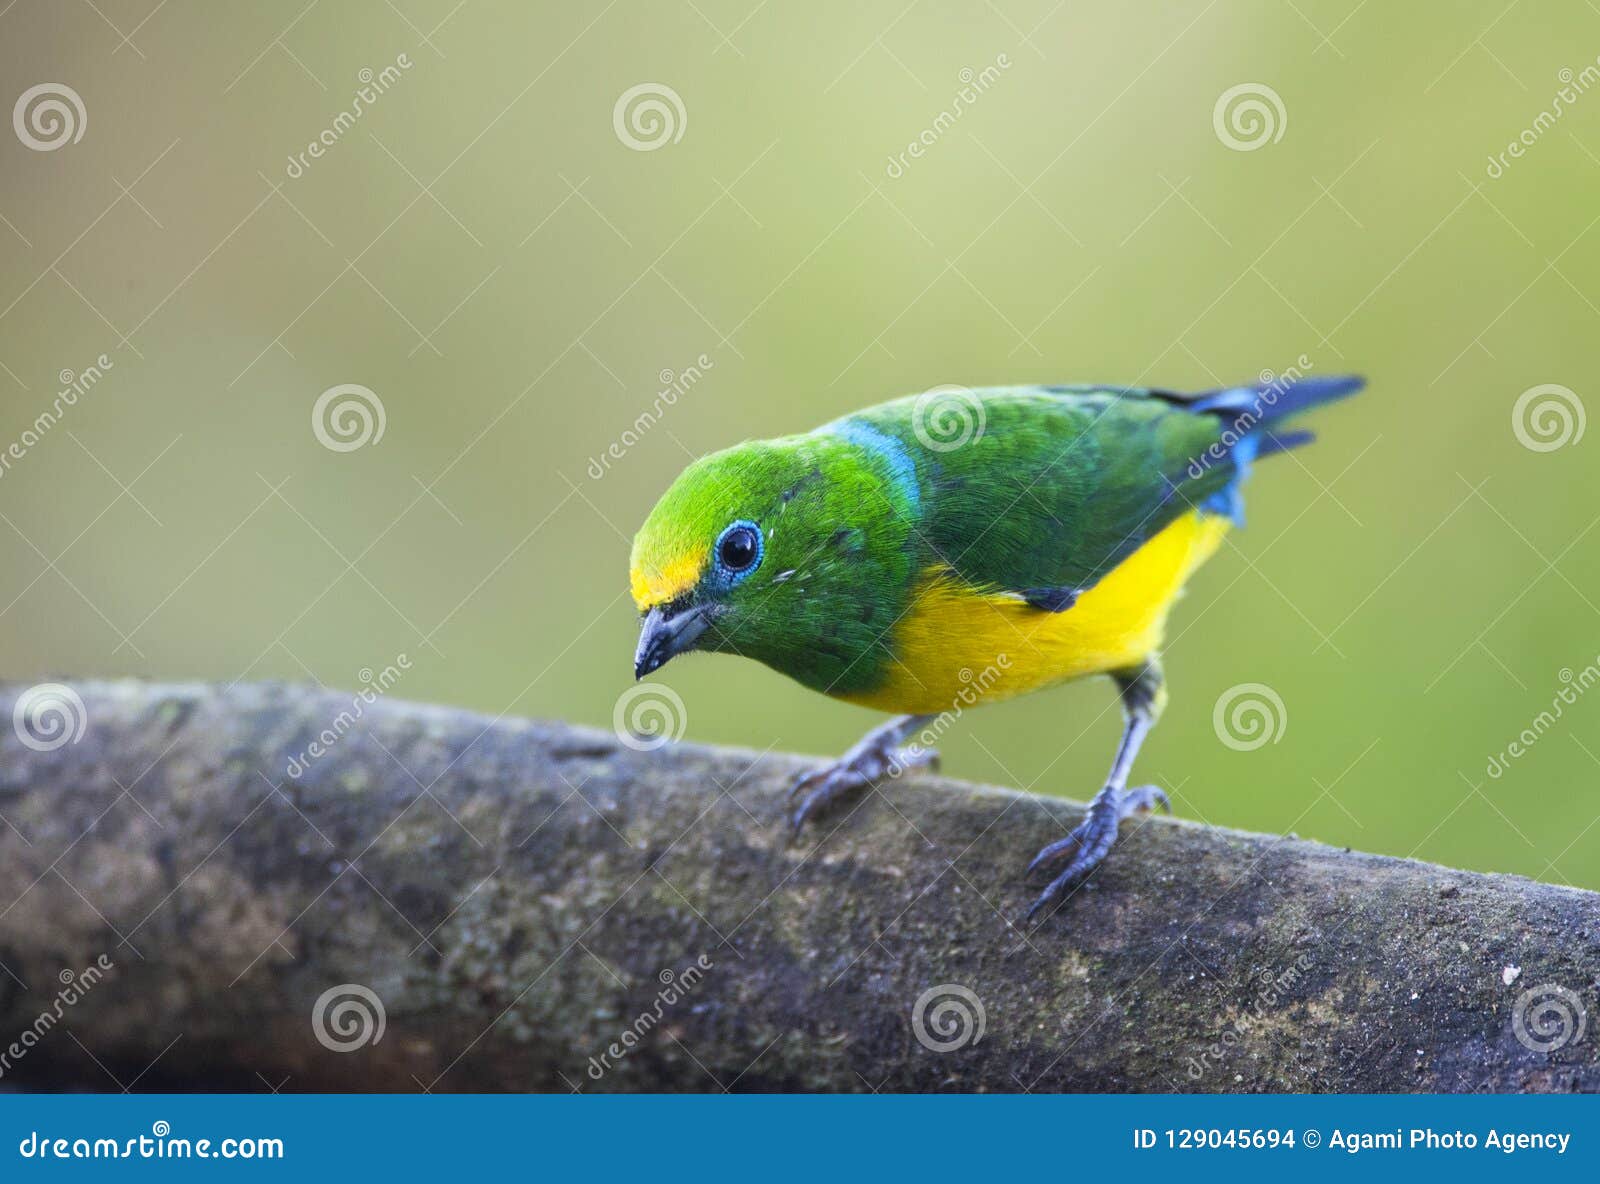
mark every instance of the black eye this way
{"type": "Point", "coordinates": [739, 548]}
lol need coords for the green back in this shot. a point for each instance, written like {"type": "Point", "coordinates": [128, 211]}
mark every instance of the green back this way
{"type": "Point", "coordinates": [1053, 486]}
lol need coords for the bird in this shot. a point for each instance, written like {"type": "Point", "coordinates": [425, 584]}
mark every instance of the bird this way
{"type": "Point", "coordinates": [963, 546]}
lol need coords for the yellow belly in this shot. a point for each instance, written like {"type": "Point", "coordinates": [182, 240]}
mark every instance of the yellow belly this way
{"type": "Point", "coordinates": [955, 647]}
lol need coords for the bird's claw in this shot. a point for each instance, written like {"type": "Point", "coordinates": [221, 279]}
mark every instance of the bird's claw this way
{"type": "Point", "coordinates": [856, 770]}
{"type": "Point", "coordinates": [807, 779]}
{"type": "Point", "coordinates": [1092, 838]}
{"type": "Point", "coordinates": [836, 782]}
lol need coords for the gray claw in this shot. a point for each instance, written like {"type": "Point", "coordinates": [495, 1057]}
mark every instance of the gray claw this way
{"type": "Point", "coordinates": [835, 783]}
{"type": "Point", "coordinates": [1056, 849]}
{"type": "Point", "coordinates": [1093, 839]}
{"type": "Point", "coordinates": [1144, 797]}
{"type": "Point", "coordinates": [805, 780]}
{"type": "Point", "coordinates": [855, 771]}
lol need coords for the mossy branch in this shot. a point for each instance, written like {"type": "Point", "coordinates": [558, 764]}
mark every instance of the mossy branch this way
{"type": "Point", "coordinates": [517, 895]}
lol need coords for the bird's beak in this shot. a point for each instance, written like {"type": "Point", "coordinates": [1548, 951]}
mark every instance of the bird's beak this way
{"type": "Point", "coordinates": [662, 637]}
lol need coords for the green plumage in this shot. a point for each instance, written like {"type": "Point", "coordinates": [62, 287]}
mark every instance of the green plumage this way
{"type": "Point", "coordinates": [1056, 485]}
{"type": "Point", "coordinates": [1053, 486]}
{"type": "Point", "coordinates": [833, 578]}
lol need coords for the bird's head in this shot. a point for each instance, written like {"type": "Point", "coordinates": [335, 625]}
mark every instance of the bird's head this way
{"type": "Point", "coordinates": [766, 550]}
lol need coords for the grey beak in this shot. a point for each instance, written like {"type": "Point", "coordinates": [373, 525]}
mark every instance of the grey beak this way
{"type": "Point", "coordinates": [662, 637]}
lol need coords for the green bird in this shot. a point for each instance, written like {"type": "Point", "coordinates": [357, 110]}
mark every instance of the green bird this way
{"type": "Point", "coordinates": [962, 546]}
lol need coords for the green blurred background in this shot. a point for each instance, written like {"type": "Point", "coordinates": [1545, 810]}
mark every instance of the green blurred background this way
{"type": "Point", "coordinates": [485, 253]}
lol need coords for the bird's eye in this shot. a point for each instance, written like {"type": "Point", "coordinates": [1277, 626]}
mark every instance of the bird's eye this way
{"type": "Point", "coordinates": [739, 548]}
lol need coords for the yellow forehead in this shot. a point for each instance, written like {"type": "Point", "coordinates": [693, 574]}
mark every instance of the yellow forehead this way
{"type": "Point", "coordinates": [662, 583]}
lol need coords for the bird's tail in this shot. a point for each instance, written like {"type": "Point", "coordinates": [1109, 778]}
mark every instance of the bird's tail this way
{"type": "Point", "coordinates": [1254, 418]}
{"type": "Point", "coordinates": [1256, 409]}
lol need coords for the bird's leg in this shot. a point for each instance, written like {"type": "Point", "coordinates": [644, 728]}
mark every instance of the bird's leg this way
{"type": "Point", "coordinates": [878, 755]}
{"type": "Point", "coordinates": [1143, 695]}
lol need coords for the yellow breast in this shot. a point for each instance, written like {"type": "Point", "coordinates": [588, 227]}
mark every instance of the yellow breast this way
{"type": "Point", "coordinates": [955, 647]}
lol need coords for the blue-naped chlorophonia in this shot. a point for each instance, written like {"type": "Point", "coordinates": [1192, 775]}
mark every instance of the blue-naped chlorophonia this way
{"type": "Point", "coordinates": [1037, 533]}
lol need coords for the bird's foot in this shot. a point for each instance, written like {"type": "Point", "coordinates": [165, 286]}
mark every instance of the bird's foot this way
{"type": "Point", "coordinates": [1092, 838]}
{"type": "Point", "coordinates": [866, 764]}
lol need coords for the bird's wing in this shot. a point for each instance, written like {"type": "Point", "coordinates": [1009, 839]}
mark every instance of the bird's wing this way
{"type": "Point", "coordinates": [1052, 487]}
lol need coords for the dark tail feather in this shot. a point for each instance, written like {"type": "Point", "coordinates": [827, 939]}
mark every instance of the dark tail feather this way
{"type": "Point", "coordinates": [1270, 402]}
{"type": "Point", "coordinates": [1250, 415]}
{"type": "Point", "coordinates": [1272, 442]}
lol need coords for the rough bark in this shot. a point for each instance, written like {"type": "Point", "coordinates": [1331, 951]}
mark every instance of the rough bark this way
{"type": "Point", "coordinates": [516, 894]}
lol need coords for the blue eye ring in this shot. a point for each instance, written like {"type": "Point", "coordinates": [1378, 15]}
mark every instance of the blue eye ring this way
{"type": "Point", "coordinates": [739, 550]}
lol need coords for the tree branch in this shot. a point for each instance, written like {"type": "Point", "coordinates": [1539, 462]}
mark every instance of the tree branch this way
{"type": "Point", "coordinates": [517, 894]}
